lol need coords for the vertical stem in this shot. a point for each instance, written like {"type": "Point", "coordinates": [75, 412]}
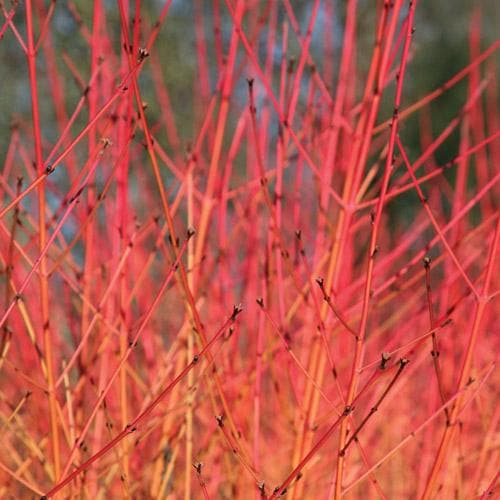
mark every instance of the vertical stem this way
{"type": "Point", "coordinates": [317, 359]}
{"type": "Point", "coordinates": [190, 349]}
{"type": "Point", "coordinates": [42, 237]}
{"type": "Point", "coordinates": [227, 86]}
{"type": "Point", "coordinates": [373, 248]}
{"type": "Point", "coordinates": [435, 344]}
{"type": "Point", "coordinates": [464, 380]}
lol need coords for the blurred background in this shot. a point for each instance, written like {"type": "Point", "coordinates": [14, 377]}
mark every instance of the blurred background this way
{"type": "Point", "coordinates": [439, 50]}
